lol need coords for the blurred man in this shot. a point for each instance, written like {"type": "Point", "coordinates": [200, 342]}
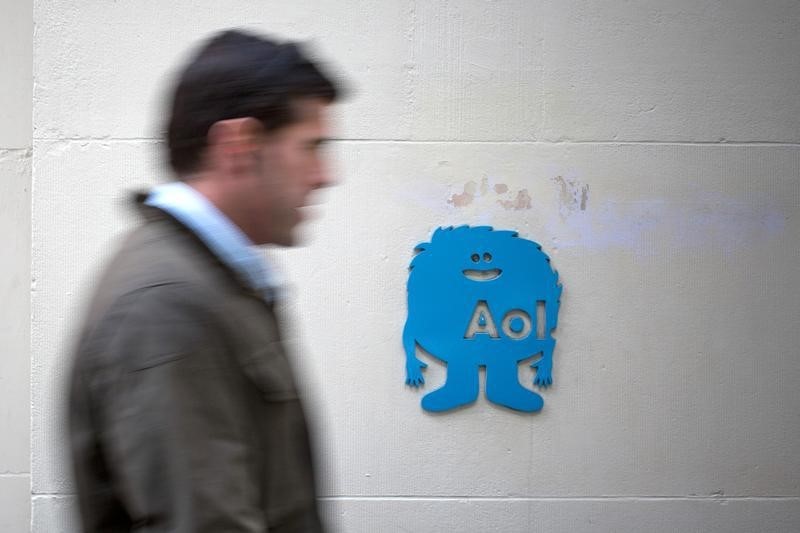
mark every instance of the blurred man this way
{"type": "Point", "coordinates": [184, 415]}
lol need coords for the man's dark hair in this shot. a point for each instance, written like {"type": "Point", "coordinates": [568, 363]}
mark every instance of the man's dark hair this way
{"type": "Point", "coordinates": [236, 75]}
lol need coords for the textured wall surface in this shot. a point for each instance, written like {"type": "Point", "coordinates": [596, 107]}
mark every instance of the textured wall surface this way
{"type": "Point", "coordinates": [653, 150]}
{"type": "Point", "coordinates": [16, 48]}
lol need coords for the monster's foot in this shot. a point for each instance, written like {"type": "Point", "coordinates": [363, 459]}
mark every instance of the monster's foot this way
{"type": "Point", "coordinates": [460, 388]}
{"type": "Point", "coordinates": [503, 387]}
{"type": "Point", "coordinates": [518, 398]}
{"type": "Point", "coordinates": [449, 397]}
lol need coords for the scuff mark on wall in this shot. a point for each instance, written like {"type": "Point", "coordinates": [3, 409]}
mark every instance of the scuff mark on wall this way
{"type": "Point", "coordinates": [470, 192]}
{"type": "Point", "coordinates": [484, 185]}
{"type": "Point", "coordinates": [510, 199]}
{"type": "Point", "coordinates": [521, 201]}
{"type": "Point", "coordinates": [572, 195]}
{"type": "Point", "coordinates": [466, 197]}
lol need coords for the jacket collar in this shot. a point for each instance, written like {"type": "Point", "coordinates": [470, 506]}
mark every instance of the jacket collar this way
{"type": "Point", "coordinates": [219, 235]}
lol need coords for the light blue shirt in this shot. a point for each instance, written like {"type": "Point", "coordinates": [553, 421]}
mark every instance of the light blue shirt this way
{"type": "Point", "coordinates": [216, 230]}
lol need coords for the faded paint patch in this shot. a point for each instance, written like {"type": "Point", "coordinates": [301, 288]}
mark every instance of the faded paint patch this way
{"type": "Point", "coordinates": [572, 195]}
{"type": "Point", "coordinates": [466, 196]}
{"type": "Point", "coordinates": [484, 185]}
{"type": "Point", "coordinates": [522, 201]}
{"type": "Point", "coordinates": [509, 199]}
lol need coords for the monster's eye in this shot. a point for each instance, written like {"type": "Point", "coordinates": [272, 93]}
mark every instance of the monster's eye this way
{"type": "Point", "coordinates": [487, 257]}
{"type": "Point", "coordinates": [475, 258]}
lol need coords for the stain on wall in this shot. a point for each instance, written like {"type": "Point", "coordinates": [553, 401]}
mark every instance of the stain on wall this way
{"type": "Point", "coordinates": [521, 201]}
{"type": "Point", "coordinates": [509, 199]}
{"type": "Point", "coordinates": [572, 195]}
{"type": "Point", "coordinates": [465, 197]}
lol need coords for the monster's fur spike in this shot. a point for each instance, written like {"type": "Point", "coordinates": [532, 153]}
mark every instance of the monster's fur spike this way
{"type": "Point", "coordinates": [443, 231]}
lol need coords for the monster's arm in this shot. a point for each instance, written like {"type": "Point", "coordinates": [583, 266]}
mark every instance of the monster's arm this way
{"type": "Point", "coordinates": [544, 366]}
{"type": "Point", "coordinates": [413, 365]}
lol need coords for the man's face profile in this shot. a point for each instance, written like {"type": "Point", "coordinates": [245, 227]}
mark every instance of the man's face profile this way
{"type": "Point", "coordinates": [291, 165]}
{"type": "Point", "coordinates": [269, 176]}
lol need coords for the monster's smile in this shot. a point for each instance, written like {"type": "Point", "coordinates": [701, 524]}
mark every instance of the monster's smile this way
{"type": "Point", "coordinates": [482, 275]}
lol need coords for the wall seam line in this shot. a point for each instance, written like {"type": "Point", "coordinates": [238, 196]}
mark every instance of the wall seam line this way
{"type": "Point", "coordinates": [560, 498]}
{"type": "Point", "coordinates": [456, 142]}
{"type": "Point", "coordinates": [524, 499]}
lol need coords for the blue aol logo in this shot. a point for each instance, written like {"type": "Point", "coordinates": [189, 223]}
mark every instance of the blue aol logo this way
{"type": "Point", "coordinates": [480, 297]}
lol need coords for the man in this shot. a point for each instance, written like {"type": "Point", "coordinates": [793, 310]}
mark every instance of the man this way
{"type": "Point", "coordinates": [184, 415]}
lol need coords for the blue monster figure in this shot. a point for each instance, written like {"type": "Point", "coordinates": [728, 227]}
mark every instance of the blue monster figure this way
{"type": "Point", "coordinates": [480, 297]}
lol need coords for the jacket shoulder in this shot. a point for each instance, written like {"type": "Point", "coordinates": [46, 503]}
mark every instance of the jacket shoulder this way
{"type": "Point", "coordinates": [159, 253]}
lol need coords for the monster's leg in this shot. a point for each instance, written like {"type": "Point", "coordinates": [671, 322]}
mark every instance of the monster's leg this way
{"type": "Point", "coordinates": [503, 387]}
{"type": "Point", "coordinates": [460, 388]}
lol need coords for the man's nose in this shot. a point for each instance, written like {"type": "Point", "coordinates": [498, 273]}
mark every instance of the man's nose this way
{"type": "Point", "coordinates": [323, 177]}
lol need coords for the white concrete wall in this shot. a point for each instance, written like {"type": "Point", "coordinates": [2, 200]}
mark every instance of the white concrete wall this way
{"type": "Point", "coordinates": [653, 148]}
{"type": "Point", "coordinates": [16, 49]}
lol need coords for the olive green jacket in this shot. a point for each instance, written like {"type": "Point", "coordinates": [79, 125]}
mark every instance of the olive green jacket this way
{"type": "Point", "coordinates": [183, 412]}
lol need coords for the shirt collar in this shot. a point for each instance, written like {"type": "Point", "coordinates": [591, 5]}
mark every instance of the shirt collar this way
{"type": "Point", "coordinates": [217, 231]}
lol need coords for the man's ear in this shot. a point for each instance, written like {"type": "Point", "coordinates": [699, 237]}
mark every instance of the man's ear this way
{"type": "Point", "coordinates": [232, 143]}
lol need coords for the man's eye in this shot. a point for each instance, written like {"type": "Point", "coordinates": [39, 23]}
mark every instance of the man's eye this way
{"type": "Point", "coordinates": [316, 146]}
